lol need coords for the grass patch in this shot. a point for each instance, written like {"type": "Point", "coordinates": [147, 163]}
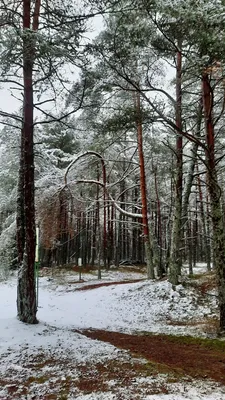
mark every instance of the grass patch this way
{"type": "Point", "coordinates": [207, 343]}
{"type": "Point", "coordinates": [210, 344]}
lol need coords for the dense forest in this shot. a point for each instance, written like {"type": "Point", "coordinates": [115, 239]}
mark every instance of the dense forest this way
{"type": "Point", "coordinates": [116, 148]}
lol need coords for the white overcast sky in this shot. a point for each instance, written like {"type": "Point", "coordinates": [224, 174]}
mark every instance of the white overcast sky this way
{"type": "Point", "coordinates": [8, 101]}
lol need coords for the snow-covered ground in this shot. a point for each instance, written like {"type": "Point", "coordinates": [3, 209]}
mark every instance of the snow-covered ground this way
{"type": "Point", "coordinates": [42, 361]}
{"type": "Point", "coordinates": [140, 306]}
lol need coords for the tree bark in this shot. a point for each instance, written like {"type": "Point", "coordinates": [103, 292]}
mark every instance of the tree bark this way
{"type": "Point", "coordinates": [175, 255]}
{"type": "Point", "coordinates": [160, 268]}
{"type": "Point", "coordinates": [215, 197]}
{"type": "Point", "coordinates": [20, 220]}
{"type": "Point", "coordinates": [148, 244]}
{"type": "Point", "coordinates": [189, 182]}
{"type": "Point", "coordinates": [204, 227]}
{"type": "Point", "coordinates": [26, 291]}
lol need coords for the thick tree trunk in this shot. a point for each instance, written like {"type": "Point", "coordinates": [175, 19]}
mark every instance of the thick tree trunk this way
{"type": "Point", "coordinates": [148, 244]}
{"type": "Point", "coordinates": [215, 197]}
{"type": "Point", "coordinates": [26, 292]}
{"type": "Point", "coordinates": [20, 220]}
{"type": "Point", "coordinates": [218, 242]}
{"type": "Point", "coordinates": [175, 255]}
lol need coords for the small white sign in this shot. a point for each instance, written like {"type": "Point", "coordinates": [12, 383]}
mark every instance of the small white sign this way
{"type": "Point", "coordinates": [37, 245]}
{"type": "Point", "coordinates": [79, 262]}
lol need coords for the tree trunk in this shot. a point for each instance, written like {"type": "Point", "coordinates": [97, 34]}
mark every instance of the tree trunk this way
{"type": "Point", "coordinates": [204, 227]}
{"type": "Point", "coordinates": [148, 244]}
{"type": "Point", "coordinates": [160, 268]}
{"type": "Point", "coordinates": [190, 248]}
{"type": "Point", "coordinates": [192, 164]}
{"type": "Point", "coordinates": [26, 291]}
{"type": "Point", "coordinates": [188, 187]}
{"type": "Point", "coordinates": [175, 255]}
{"type": "Point", "coordinates": [215, 197]}
{"type": "Point", "coordinates": [105, 251]}
{"type": "Point", "coordinates": [20, 220]}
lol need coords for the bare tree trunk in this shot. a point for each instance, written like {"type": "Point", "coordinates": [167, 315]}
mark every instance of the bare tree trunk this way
{"type": "Point", "coordinates": [190, 174]}
{"type": "Point", "coordinates": [105, 251]}
{"type": "Point", "coordinates": [160, 268]}
{"type": "Point", "coordinates": [95, 223]}
{"type": "Point", "coordinates": [148, 244]}
{"type": "Point", "coordinates": [26, 292]}
{"type": "Point", "coordinates": [190, 249]}
{"type": "Point", "coordinates": [20, 219]}
{"type": "Point", "coordinates": [195, 235]}
{"type": "Point", "coordinates": [189, 182]}
{"type": "Point", "coordinates": [175, 254]}
{"type": "Point", "coordinates": [215, 197]}
{"type": "Point", "coordinates": [99, 241]}
{"type": "Point", "coordinates": [112, 234]}
{"type": "Point", "coordinates": [204, 228]}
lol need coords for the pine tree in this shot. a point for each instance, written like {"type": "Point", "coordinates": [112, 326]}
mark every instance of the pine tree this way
{"type": "Point", "coordinates": [48, 39]}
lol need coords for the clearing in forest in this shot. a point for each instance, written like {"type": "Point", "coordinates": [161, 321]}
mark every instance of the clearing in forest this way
{"type": "Point", "coordinates": [121, 340]}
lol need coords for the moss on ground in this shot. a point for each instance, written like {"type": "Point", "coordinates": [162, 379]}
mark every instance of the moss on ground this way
{"type": "Point", "coordinates": [207, 343]}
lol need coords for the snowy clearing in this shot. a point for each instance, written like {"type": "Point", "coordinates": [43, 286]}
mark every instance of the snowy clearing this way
{"type": "Point", "coordinates": [50, 361]}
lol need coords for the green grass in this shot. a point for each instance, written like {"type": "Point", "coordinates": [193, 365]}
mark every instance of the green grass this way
{"type": "Point", "coordinates": [210, 344]}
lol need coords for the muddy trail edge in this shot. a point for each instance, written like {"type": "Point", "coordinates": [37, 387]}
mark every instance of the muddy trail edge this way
{"type": "Point", "coordinates": [199, 360]}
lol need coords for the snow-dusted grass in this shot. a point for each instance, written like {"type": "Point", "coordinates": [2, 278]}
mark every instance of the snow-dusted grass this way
{"type": "Point", "coordinates": [50, 359]}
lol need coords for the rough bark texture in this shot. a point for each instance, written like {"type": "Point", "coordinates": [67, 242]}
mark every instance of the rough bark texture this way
{"type": "Point", "coordinates": [192, 164]}
{"type": "Point", "coordinates": [148, 246]}
{"type": "Point", "coordinates": [188, 186]}
{"type": "Point", "coordinates": [175, 255]}
{"type": "Point", "coordinates": [20, 221]}
{"type": "Point", "coordinates": [105, 249]}
{"type": "Point", "coordinates": [26, 293]}
{"type": "Point", "coordinates": [160, 268]}
{"type": "Point", "coordinates": [215, 197]}
{"type": "Point", "coordinates": [204, 226]}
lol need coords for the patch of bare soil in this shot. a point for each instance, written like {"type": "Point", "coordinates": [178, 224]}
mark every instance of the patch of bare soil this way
{"type": "Point", "coordinates": [207, 325]}
{"type": "Point", "coordinates": [195, 359]}
{"type": "Point", "coordinates": [97, 285]}
{"type": "Point", "coordinates": [204, 282]}
{"type": "Point", "coordinates": [115, 376]}
{"type": "Point", "coordinates": [141, 269]}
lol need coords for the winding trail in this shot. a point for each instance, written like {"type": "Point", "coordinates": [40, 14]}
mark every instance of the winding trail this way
{"type": "Point", "coordinates": [197, 360]}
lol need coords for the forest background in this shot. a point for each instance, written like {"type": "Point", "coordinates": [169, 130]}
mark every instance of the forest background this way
{"type": "Point", "coordinates": [124, 164]}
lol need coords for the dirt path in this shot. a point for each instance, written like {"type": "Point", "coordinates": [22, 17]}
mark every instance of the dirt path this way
{"type": "Point", "coordinates": [196, 360]}
{"type": "Point", "coordinates": [97, 285]}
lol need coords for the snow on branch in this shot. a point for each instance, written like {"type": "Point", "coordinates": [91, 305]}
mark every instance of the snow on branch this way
{"type": "Point", "coordinates": [102, 184]}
